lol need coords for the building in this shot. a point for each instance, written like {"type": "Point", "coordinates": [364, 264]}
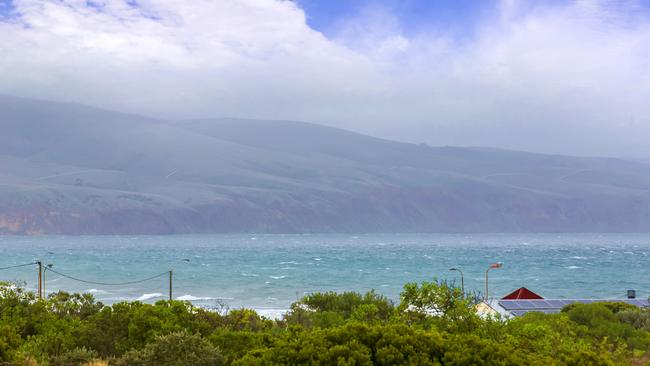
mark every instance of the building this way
{"type": "Point", "coordinates": [522, 293]}
{"type": "Point", "coordinates": [522, 301]}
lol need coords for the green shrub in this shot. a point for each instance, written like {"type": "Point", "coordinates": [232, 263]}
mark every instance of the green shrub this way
{"type": "Point", "coordinates": [235, 344]}
{"type": "Point", "coordinates": [245, 319]}
{"type": "Point", "coordinates": [351, 344]}
{"type": "Point", "coordinates": [435, 324]}
{"type": "Point", "coordinates": [75, 357]}
{"type": "Point", "coordinates": [600, 322]}
{"type": "Point", "coordinates": [636, 318]}
{"type": "Point", "coordinates": [9, 343]}
{"type": "Point", "coordinates": [330, 309]}
{"type": "Point", "coordinates": [174, 349]}
{"type": "Point", "coordinates": [439, 304]}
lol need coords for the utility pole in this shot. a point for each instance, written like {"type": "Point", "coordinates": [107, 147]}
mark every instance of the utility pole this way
{"type": "Point", "coordinates": [170, 285]}
{"type": "Point", "coordinates": [40, 280]}
{"type": "Point", "coordinates": [43, 280]}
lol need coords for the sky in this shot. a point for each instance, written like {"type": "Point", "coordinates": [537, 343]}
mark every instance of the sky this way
{"type": "Point", "coordinates": [555, 76]}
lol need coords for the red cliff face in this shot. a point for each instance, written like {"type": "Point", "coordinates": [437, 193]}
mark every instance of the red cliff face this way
{"type": "Point", "coordinates": [39, 221]}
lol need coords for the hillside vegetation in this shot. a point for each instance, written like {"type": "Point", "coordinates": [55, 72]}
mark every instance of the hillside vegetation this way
{"type": "Point", "coordinates": [71, 169]}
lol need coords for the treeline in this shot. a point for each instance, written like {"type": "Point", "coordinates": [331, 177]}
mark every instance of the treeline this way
{"type": "Point", "coordinates": [433, 324]}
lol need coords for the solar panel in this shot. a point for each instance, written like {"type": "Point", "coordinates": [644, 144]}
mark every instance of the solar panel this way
{"type": "Point", "coordinates": [523, 304]}
{"type": "Point", "coordinates": [636, 302]}
{"type": "Point", "coordinates": [518, 312]}
{"type": "Point", "coordinates": [536, 304]}
{"type": "Point", "coordinates": [510, 305]}
{"type": "Point", "coordinates": [513, 305]}
{"type": "Point", "coordinates": [544, 311]}
{"type": "Point", "coordinates": [555, 303]}
{"type": "Point", "coordinates": [521, 307]}
{"type": "Point", "coordinates": [539, 304]}
{"type": "Point", "coordinates": [520, 304]}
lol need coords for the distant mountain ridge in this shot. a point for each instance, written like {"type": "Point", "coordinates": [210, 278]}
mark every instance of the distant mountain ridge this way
{"type": "Point", "coordinates": [72, 169]}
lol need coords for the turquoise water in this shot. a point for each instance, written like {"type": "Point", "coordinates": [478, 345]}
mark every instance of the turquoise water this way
{"type": "Point", "coordinates": [268, 272]}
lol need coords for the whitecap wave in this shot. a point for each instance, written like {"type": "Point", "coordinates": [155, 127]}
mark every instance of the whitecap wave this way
{"type": "Point", "coordinates": [277, 277]}
{"type": "Point", "coordinates": [194, 298]}
{"type": "Point", "coordinates": [271, 313]}
{"type": "Point", "coordinates": [573, 267]}
{"type": "Point", "coordinates": [96, 291]}
{"type": "Point", "coordinates": [145, 297]}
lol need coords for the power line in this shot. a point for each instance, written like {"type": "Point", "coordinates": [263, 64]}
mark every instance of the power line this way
{"type": "Point", "coordinates": [19, 265]}
{"type": "Point", "coordinates": [107, 284]}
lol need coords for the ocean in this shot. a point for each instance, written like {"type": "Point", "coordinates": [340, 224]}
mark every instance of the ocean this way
{"type": "Point", "coordinates": [269, 272]}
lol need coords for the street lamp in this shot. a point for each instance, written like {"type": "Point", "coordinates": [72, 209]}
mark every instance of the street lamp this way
{"type": "Point", "coordinates": [462, 280]}
{"type": "Point", "coordinates": [493, 265]}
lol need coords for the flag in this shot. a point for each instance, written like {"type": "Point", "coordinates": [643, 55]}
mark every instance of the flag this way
{"type": "Point", "coordinates": [496, 265]}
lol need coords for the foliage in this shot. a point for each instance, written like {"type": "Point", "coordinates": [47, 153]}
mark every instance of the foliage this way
{"type": "Point", "coordinates": [77, 356]}
{"type": "Point", "coordinates": [600, 322]}
{"type": "Point", "coordinates": [635, 318]}
{"type": "Point", "coordinates": [439, 304]}
{"type": "Point", "coordinates": [174, 349]}
{"type": "Point", "coordinates": [434, 324]}
{"type": "Point", "coordinates": [330, 309]}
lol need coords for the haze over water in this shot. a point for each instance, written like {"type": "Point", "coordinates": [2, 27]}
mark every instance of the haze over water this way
{"type": "Point", "coordinates": [269, 272]}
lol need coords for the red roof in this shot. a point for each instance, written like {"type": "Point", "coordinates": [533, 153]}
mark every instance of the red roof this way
{"type": "Point", "coordinates": [522, 293]}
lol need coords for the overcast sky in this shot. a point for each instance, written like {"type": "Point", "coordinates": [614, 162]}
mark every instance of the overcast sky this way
{"type": "Point", "coordinates": [567, 77]}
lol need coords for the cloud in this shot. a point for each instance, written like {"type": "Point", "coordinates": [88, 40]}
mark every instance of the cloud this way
{"type": "Point", "coordinates": [567, 77]}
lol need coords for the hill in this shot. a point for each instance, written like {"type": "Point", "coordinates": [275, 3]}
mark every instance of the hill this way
{"type": "Point", "coordinates": [73, 169]}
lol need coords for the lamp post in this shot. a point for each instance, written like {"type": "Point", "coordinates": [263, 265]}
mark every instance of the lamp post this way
{"type": "Point", "coordinates": [462, 279]}
{"type": "Point", "coordinates": [493, 265]}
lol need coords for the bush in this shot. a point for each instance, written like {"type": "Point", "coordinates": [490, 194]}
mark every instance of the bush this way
{"type": "Point", "coordinates": [351, 344]}
{"type": "Point", "coordinates": [329, 309]}
{"type": "Point", "coordinates": [439, 304]}
{"type": "Point", "coordinates": [600, 322]}
{"type": "Point", "coordinates": [636, 318]}
{"type": "Point", "coordinates": [175, 349]}
{"type": "Point", "coordinates": [75, 357]}
{"type": "Point", "coordinates": [235, 345]}
{"type": "Point", "coordinates": [435, 324]}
